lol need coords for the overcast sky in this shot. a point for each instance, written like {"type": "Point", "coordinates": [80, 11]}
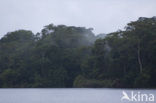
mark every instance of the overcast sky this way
{"type": "Point", "coordinates": [103, 15]}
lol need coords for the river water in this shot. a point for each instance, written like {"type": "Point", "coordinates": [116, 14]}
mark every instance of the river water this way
{"type": "Point", "coordinates": [76, 95]}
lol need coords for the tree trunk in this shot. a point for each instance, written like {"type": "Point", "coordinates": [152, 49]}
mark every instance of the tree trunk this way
{"type": "Point", "coordinates": [139, 58]}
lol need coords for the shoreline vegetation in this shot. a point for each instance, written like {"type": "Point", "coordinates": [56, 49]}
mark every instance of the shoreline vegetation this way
{"type": "Point", "coordinates": [67, 56]}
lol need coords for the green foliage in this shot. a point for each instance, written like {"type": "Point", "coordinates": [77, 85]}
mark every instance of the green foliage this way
{"type": "Point", "coordinates": [82, 82]}
{"type": "Point", "coordinates": [142, 81]}
{"type": "Point", "coordinates": [68, 56]}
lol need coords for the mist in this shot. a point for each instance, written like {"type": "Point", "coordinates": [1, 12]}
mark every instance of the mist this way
{"type": "Point", "coordinates": [104, 16]}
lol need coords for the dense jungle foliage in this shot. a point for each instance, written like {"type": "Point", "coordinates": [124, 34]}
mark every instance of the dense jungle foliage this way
{"type": "Point", "coordinates": [68, 56]}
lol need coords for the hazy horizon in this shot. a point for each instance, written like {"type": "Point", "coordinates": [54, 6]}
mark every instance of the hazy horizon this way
{"type": "Point", "coordinates": [103, 16]}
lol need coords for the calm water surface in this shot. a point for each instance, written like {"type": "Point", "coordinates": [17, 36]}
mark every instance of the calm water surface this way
{"type": "Point", "coordinates": [67, 95]}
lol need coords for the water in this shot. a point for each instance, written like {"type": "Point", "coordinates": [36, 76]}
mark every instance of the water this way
{"type": "Point", "coordinates": [67, 95]}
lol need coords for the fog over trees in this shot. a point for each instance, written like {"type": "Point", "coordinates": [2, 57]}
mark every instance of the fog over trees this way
{"type": "Point", "coordinates": [68, 56]}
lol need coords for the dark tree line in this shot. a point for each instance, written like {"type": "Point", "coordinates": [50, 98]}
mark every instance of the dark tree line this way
{"type": "Point", "coordinates": [69, 56]}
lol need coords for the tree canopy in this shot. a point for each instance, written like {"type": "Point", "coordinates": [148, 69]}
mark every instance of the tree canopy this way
{"type": "Point", "coordinates": [69, 56]}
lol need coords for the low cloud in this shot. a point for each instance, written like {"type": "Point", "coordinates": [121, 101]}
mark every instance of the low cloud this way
{"type": "Point", "coordinates": [104, 16]}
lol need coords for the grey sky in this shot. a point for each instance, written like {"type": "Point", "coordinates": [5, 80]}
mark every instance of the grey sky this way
{"type": "Point", "coordinates": [103, 15]}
